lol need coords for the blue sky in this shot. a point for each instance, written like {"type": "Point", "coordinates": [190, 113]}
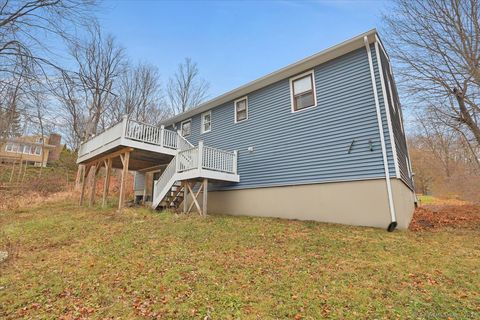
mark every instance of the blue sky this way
{"type": "Point", "coordinates": [233, 42]}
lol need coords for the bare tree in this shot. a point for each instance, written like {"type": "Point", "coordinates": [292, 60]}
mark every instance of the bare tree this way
{"type": "Point", "coordinates": [139, 95]}
{"type": "Point", "coordinates": [186, 89]}
{"type": "Point", "coordinates": [73, 110]}
{"type": "Point", "coordinates": [100, 62]}
{"type": "Point", "coordinates": [436, 44]}
{"type": "Point", "coordinates": [27, 28]}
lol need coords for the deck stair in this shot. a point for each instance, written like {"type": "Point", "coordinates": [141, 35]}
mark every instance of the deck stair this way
{"type": "Point", "coordinates": [192, 163]}
{"type": "Point", "coordinates": [174, 197]}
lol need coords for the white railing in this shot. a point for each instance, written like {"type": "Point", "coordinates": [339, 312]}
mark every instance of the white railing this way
{"type": "Point", "coordinates": [219, 160]}
{"type": "Point", "coordinates": [182, 143]}
{"type": "Point", "coordinates": [169, 138]}
{"type": "Point", "coordinates": [136, 130]}
{"type": "Point", "coordinates": [111, 134]}
{"type": "Point", "coordinates": [187, 159]}
{"type": "Point", "coordinates": [164, 183]}
{"type": "Point", "coordinates": [203, 157]}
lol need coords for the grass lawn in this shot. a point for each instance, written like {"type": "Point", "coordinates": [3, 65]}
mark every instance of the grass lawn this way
{"type": "Point", "coordinates": [93, 263]}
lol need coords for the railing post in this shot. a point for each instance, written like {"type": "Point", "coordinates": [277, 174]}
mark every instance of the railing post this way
{"type": "Point", "coordinates": [200, 155]}
{"type": "Point", "coordinates": [124, 125]}
{"type": "Point", "coordinates": [162, 130]}
{"type": "Point", "coordinates": [179, 133]}
{"type": "Point", "coordinates": [234, 165]}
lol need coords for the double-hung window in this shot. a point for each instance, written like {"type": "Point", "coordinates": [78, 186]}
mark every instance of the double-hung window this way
{"type": "Point", "coordinates": [241, 109]}
{"type": "Point", "coordinates": [302, 89]}
{"type": "Point", "coordinates": [186, 128]}
{"type": "Point", "coordinates": [206, 122]}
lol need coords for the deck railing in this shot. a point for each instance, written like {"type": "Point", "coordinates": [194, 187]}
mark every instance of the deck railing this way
{"type": "Point", "coordinates": [203, 157]}
{"type": "Point", "coordinates": [188, 157]}
{"type": "Point", "coordinates": [136, 131]}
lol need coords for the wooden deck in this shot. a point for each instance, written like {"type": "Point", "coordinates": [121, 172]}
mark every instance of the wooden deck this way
{"type": "Point", "coordinates": [132, 145]}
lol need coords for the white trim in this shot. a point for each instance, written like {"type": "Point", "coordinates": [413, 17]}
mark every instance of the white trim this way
{"type": "Point", "coordinates": [380, 129]}
{"type": "Point", "coordinates": [302, 75]}
{"type": "Point", "coordinates": [235, 108]}
{"type": "Point", "coordinates": [387, 111]}
{"type": "Point", "coordinates": [202, 129]}
{"type": "Point", "coordinates": [181, 127]}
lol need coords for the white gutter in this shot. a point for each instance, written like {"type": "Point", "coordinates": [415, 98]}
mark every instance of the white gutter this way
{"type": "Point", "coordinates": [393, 218]}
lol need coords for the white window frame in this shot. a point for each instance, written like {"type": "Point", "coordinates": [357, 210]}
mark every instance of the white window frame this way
{"type": "Point", "coordinates": [292, 100]}
{"type": "Point", "coordinates": [235, 108]}
{"type": "Point", "coordinates": [181, 127]}
{"type": "Point", "coordinates": [39, 150]}
{"type": "Point", "coordinates": [202, 130]}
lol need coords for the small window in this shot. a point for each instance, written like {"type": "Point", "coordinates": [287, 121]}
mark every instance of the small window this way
{"type": "Point", "coordinates": [303, 91]}
{"type": "Point", "coordinates": [186, 128]}
{"type": "Point", "coordinates": [9, 147]}
{"type": "Point", "coordinates": [38, 150]}
{"type": "Point", "coordinates": [26, 149]}
{"type": "Point", "coordinates": [206, 122]}
{"type": "Point", "coordinates": [241, 109]}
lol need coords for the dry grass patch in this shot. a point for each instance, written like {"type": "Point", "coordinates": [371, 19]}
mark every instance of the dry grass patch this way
{"type": "Point", "coordinates": [94, 263]}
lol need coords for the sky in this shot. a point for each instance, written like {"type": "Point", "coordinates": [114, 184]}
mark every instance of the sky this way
{"type": "Point", "coordinates": [233, 42]}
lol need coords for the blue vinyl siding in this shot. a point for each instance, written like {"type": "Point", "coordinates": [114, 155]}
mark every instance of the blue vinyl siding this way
{"type": "Point", "coordinates": [309, 146]}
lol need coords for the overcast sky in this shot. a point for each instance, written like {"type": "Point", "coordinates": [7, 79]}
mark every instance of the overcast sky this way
{"type": "Point", "coordinates": [234, 42]}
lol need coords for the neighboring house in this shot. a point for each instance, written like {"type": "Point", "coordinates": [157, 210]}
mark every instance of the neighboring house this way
{"type": "Point", "coordinates": [321, 139]}
{"type": "Point", "coordinates": [33, 150]}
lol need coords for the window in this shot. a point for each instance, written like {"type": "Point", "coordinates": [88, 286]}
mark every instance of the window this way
{"type": "Point", "coordinates": [186, 128]}
{"type": "Point", "coordinates": [26, 149]}
{"type": "Point", "coordinates": [39, 140]}
{"type": "Point", "coordinates": [206, 122]}
{"type": "Point", "coordinates": [303, 91]}
{"type": "Point", "coordinates": [241, 109]}
{"type": "Point", "coordinates": [38, 150]}
{"type": "Point", "coordinates": [9, 147]}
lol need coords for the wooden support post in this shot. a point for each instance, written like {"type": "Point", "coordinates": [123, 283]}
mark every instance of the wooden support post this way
{"type": "Point", "coordinates": [20, 170]}
{"type": "Point", "coordinates": [106, 185]}
{"type": "Point", "coordinates": [24, 171]}
{"type": "Point", "coordinates": [13, 170]}
{"type": "Point", "coordinates": [84, 178]}
{"type": "Point", "coordinates": [185, 195]}
{"type": "Point", "coordinates": [205, 197]}
{"type": "Point", "coordinates": [125, 159]}
{"type": "Point", "coordinates": [96, 168]}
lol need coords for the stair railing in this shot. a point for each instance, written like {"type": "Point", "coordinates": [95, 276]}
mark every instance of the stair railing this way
{"type": "Point", "coordinates": [163, 182]}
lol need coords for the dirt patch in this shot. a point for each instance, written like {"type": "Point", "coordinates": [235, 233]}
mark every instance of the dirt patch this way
{"type": "Point", "coordinates": [430, 217]}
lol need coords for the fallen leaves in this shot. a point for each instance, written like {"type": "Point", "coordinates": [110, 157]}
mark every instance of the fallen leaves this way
{"type": "Point", "coordinates": [431, 217]}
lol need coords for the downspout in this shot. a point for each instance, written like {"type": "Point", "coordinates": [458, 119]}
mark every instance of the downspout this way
{"type": "Point", "coordinates": [393, 218]}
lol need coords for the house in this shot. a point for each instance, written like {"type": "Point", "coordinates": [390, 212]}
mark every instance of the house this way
{"type": "Point", "coordinates": [33, 150]}
{"type": "Point", "coordinates": [321, 139]}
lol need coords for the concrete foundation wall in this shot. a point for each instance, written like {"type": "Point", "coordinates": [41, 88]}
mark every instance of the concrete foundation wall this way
{"type": "Point", "coordinates": [362, 203]}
